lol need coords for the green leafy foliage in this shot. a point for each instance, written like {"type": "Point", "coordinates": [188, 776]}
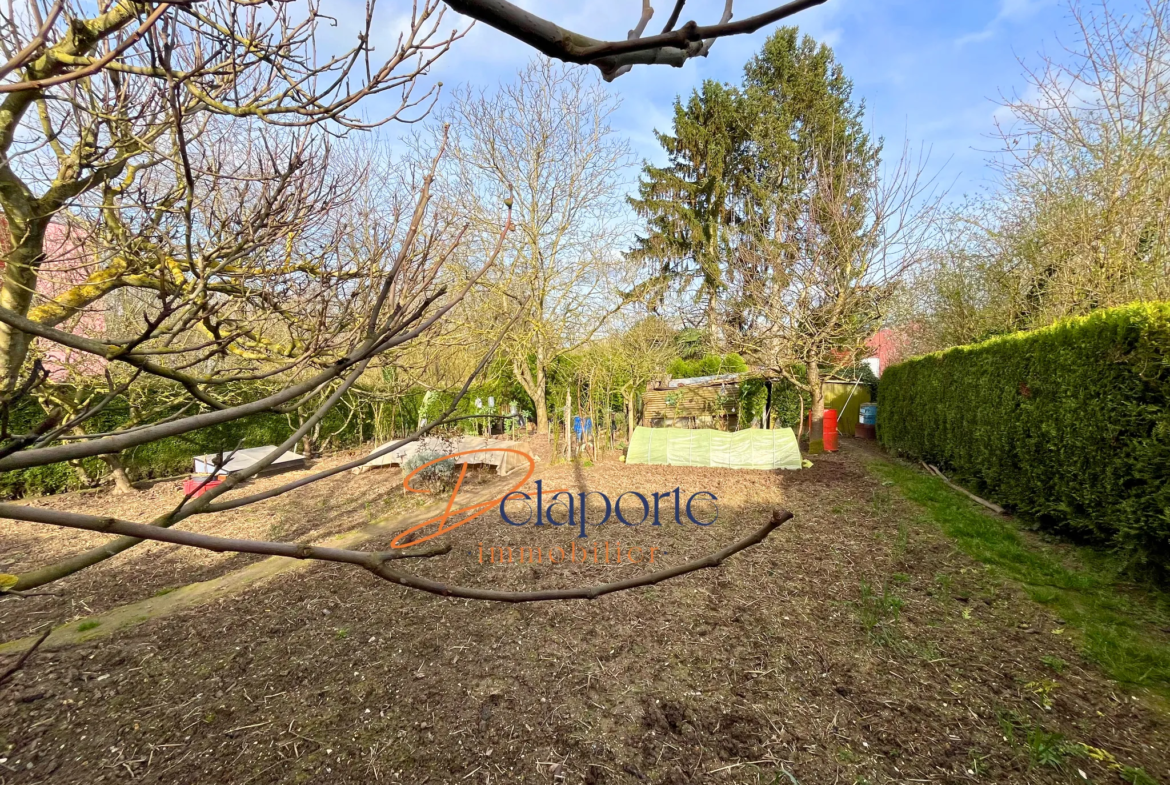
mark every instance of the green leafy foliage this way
{"type": "Point", "coordinates": [172, 456]}
{"type": "Point", "coordinates": [1069, 425]}
{"type": "Point", "coordinates": [690, 342]}
{"type": "Point", "coordinates": [690, 204]}
{"type": "Point", "coordinates": [753, 399]}
{"type": "Point", "coordinates": [788, 404]}
{"type": "Point", "coordinates": [708, 365]}
{"type": "Point", "coordinates": [741, 161]}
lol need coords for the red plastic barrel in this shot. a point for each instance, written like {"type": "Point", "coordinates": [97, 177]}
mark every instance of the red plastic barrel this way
{"type": "Point", "coordinates": [830, 430]}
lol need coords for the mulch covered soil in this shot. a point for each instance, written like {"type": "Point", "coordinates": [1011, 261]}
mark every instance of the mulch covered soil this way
{"type": "Point", "coordinates": [331, 506]}
{"type": "Point", "coordinates": [854, 645]}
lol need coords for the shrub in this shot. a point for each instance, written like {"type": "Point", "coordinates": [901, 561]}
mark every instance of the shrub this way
{"type": "Point", "coordinates": [753, 399]}
{"type": "Point", "coordinates": [1069, 425]}
{"type": "Point", "coordinates": [438, 477]}
{"type": "Point", "coordinates": [709, 365]}
{"type": "Point", "coordinates": [789, 404]}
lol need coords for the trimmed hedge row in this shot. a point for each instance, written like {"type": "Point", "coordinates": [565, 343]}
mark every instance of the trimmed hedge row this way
{"type": "Point", "coordinates": [1069, 425]}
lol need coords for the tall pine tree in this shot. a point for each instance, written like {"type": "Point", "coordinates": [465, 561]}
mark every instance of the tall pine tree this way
{"type": "Point", "coordinates": [803, 111]}
{"type": "Point", "coordinates": [692, 204]}
{"type": "Point", "coordinates": [761, 180]}
{"type": "Point", "coordinates": [740, 160]}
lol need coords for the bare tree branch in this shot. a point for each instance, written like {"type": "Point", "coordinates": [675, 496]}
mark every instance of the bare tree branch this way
{"type": "Point", "coordinates": [377, 562]}
{"type": "Point", "coordinates": [671, 47]}
{"type": "Point", "coordinates": [11, 670]}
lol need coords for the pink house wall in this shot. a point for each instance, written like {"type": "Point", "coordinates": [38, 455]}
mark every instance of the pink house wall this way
{"type": "Point", "coordinates": [890, 346]}
{"type": "Point", "coordinates": [66, 265]}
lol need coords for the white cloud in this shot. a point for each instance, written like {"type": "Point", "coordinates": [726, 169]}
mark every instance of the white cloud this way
{"type": "Point", "coordinates": [832, 37]}
{"type": "Point", "coordinates": [973, 38]}
{"type": "Point", "coordinates": [1009, 11]}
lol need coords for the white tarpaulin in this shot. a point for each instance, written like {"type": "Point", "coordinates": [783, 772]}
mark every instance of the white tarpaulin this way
{"type": "Point", "coordinates": [505, 462]}
{"type": "Point", "coordinates": [244, 459]}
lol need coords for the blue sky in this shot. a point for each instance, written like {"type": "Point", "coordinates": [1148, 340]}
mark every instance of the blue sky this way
{"type": "Point", "coordinates": [930, 71]}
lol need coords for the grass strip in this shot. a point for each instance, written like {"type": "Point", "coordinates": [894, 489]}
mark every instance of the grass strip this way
{"type": "Point", "coordinates": [1123, 627]}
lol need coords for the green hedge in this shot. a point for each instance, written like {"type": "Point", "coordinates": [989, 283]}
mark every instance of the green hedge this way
{"type": "Point", "coordinates": [709, 365]}
{"type": "Point", "coordinates": [1069, 425]}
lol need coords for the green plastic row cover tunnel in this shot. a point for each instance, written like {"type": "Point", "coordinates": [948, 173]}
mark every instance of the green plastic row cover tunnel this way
{"type": "Point", "coordinates": [750, 449]}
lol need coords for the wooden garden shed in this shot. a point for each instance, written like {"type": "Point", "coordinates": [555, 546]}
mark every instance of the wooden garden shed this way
{"type": "Point", "coordinates": [713, 402]}
{"type": "Point", "coordinates": [702, 402]}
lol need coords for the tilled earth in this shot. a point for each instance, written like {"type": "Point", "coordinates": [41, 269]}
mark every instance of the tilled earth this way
{"type": "Point", "coordinates": [854, 645]}
{"type": "Point", "coordinates": [334, 505]}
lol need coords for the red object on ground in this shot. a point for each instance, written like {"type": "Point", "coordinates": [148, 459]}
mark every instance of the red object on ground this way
{"type": "Point", "coordinates": [831, 437]}
{"type": "Point", "coordinates": [830, 430]}
{"type": "Point", "coordinates": [192, 486]}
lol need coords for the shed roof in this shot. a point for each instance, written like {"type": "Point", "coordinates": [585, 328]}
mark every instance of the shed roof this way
{"type": "Point", "coordinates": [703, 381]}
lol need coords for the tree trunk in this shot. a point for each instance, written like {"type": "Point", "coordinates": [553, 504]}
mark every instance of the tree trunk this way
{"type": "Point", "coordinates": [569, 423]}
{"type": "Point", "coordinates": [541, 404]}
{"type": "Point", "coordinates": [535, 387]}
{"type": "Point", "coordinates": [630, 422]}
{"type": "Point", "coordinates": [816, 437]}
{"type": "Point", "coordinates": [713, 331]}
{"type": "Point", "coordinates": [16, 294]}
{"type": "Point", "coordinates": [122, 482]}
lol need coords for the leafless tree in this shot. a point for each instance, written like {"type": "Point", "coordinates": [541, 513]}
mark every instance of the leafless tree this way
{"type": "Point", "coordinates": [1079, 220]}
{"type": "Point", "coordinates": [544, 139]}
{"type": "Point", "coordinates": [102, 107]}
{"type": "Point", "coordinates": [1085, 164]}
{"type": "Point", "coordinates": [409, 296]}
{"type": "Point", "coordinates": [827, 275]}
{"type": "Point", "coordinates": [185, 148]}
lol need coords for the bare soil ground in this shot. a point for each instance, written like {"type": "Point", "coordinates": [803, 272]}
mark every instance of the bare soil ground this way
{"type": "Point", "coordinates": [317, 511]}
{"type": "Point", "coordinates": [855, 645]}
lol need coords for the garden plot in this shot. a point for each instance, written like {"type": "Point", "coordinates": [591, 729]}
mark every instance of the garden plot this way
{"type": "Point", "coordinates": [856, 643]}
